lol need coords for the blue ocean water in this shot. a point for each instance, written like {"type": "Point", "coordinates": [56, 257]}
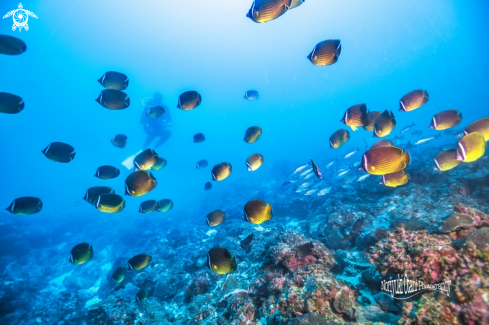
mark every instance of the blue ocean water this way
{"type": "Point", "coordinates": [388, 49]}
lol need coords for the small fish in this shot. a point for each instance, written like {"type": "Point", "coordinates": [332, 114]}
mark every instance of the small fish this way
{"type": "Point", "coordinates": [148, 206]}
{"type": "Point", "coordinates": [459, 134]}
{"type": "Point", "coordinates": [383, 143]}
{"type": "Point", "coordinates": [220, 261]}
{"type": "Point", "coordinates": [446, 160]}
{"type": "Point", "coordinates": [355, 116]}
{"type": "Point", "coordinates": [348, 155]}
{"type": "Point", "coordinates": [59, 152]}
{"type": "Point", "coordinates": [395, 179]}
{"type": "Point", "coordinates": [189, 100]}
{"type": "Point", "coordinates": [330, 164]}
{"type": "Point", "coordinates": [356, 165]}
{"type": "Point", "coordinates": [165, 205]}
{"type": "Point", "coordinates": [257, 212]}
{"type": "Point", "coordinates": [10, 103]}
{"type": "Point", "coordinates": [305, 172]}
{"type": "Point", "coordinates": [263, 11]}
{"type": "Point", "coordinates": [307, 184]}
{"type": "Point", "coordinates": [343, 168]}
{"type": "Point", "coordinates": [139, 183]}
{"type": "Point", "coordinates": [160, 163]}
{"type": "Point", "coordinates": [251, 95]}
{"type": "Point", "coordinates": [445, 120]}
{"type": "Point", "coordinates": [81, 253]}
{"type": "Point", "coordinates": [451, 132]}
{"type": "Point", "coordinates": [372, 117]}
{"type": "Point", "coordinates": [309, 176]}
{"type": "Point", "coordinates": [155, 112]}
{"type": "Point", "coordinates": [417, 133]}
{"type": "Point", "coordinates": [316, 170]}
{"type": "Point", "coordinates": [466, 189]}
{"type": "Point", "coordinates": [24, 206]}
{"type": "Point", "coordinates": [413, 100]}
{"type": "Point", "coordinates": [119, 141]}
{"type": "Point", "coordinates": [141, 295]}
{"type": "Point", "coordinates": [324, 191]}
{"type": "Point", "coordinates": [110, 203]}
{"type": "Point", "coordinates": [427, 139]}
{"type": "Point", "coordinates": [107, 172]}
{"type": "Point", "coordinates": [114, 80]}
{"type": "Point", "coordinates": [471, 147]}
{"type": "Point", "coordinates": [221, 171]}
{"type": "Point", "coordinates": [300, 190]}
{"type": "Point", "coordinates": [342, 173]}
{"type": "Point", "coordinates": [119, 274]}
{"type": "Point", "coordinates": [311, 191]}
{"type": "Point", "coordinates": [300, 168]}
{"type": "Point", "coordinates": [113, 99]}
{"type": "Point", "coordinates": [199, 137]}
{"type": "Point", "coordinates": [325, 52]}
{"type": "Point", "coordinates": [202, 164]}
{"type": "Point", "coordinates": [139, 262]}
{"type": "Point", "coordinates": [254, 162]}
{"type": "Point", "coordinates": [215, 217]}
{"type": "Point", "coordinates": [348, 187]}
{"type": "Point", "coordinates": [145, 160]}
{"type": "Point", "coordinates": [350, 179]}
{"type": "Point", "coordinates": [363, 177]}
{"type": "Point", "coordinates": [384, 160]}
{"type": "Point", "coordinates": [94, 192]}
{"type": "Point", "coordinates": [384, 124]}
{"type": "Point", "coordinates": [12, 45]}
{"type": "Point", "coordinates": [481, 126]}
{"type": "Point", "coordinates": [407, 128]}
{"type": "Point", "coordinates": [398, 137]}
{"type": "Point", "coordinates": [339, 138]}
{"type": "Point", "coordinates": [253, 134]}
{"type": "Point", "coordinates": [409, 145]}
{"type": "Point", "coordinates": [208, 186]}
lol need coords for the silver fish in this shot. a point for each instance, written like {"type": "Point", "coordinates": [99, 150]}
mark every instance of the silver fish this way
{"type": "Point", "coordinates": [357, 164]}
{"type": "Point", "coordinates": [324, 191]}
{"type": "Point", "coordinates": [300, 189]}
{"type": "Point", "coordinates": [407, 128]}
{"type": "Point", "coordinates": [309, 176]}
{"type": "Point", "coordinates": [362, 178]}
{"type": "Point", "coordinates": [310, 192]}
{"type": "Point", "coordinates": [306, 172]}
{"type": "Point", "coordinates": [350, 179]}
{"type": "Point", "coordinates": [423, 140]}
{"type": "Point", "coordinates": [348, 187]}
{"type": "Point", "coordinates": [343, 168]}
{"type": "Point", "coordinates": [330, 164]}
{"type": "Point", "coordinates": [350, 154]}
{"type": "Point", "coordinates": [300, 168]}
{"type": "Point", "coordinates": [343, 173]}
{"type": "Point", "coordinates": [459, 134]}
{"type": "Point", "coordinates": [306, 184]}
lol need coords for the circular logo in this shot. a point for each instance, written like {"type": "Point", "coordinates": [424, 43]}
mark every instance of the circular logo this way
{"type": "Point", "coordinates": [20, 18]}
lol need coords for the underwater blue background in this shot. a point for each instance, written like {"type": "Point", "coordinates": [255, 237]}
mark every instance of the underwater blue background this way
{"type": "Point", "coordinates": [388, 49]}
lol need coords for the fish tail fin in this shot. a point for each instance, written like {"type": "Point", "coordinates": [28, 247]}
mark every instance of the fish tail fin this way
{"type": "Point", "coordinates": [128, 101]}
{"type": "Point", "coordinates": [72, 156]}
{"type": "Point", "coordinates": [460, 116]}
{"type": "Point", "coordinates": [127, 83]}
{"type": "Point", "coordinates": [406, 158]}
{"type": "Point", "coordinates": [354, 128]}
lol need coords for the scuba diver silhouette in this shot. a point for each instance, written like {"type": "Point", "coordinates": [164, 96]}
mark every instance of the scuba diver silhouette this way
{"type": "Point", "coordinates": [155, 127]}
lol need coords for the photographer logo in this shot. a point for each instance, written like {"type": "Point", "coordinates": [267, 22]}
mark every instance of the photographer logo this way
{"type": "Point", "coordinates": [20, 17]}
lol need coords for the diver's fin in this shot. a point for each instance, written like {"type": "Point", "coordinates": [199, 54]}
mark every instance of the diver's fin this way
{"type": "Point", "coordinates": [128, 163]}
